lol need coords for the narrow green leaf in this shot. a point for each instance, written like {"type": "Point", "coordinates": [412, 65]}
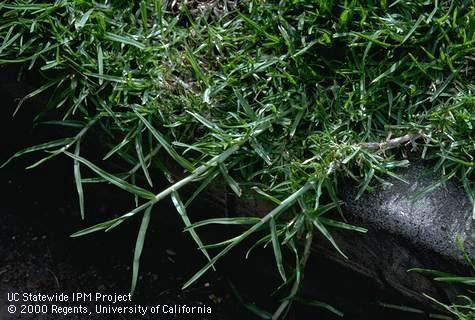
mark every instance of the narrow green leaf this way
{"type": "Point", "coordinates": [114, 179]}
{"type": "Point", "coordinates": [40, 147]}
{"type": "Point", "coordinates": [228, 221]}
{"type": "Point", "coordinates": [277, 250]}
{"type": "Point", "coordinates": [262, 241]}
{"type": "Point", "coordinates": [351, 156]}
{"type": "Point", "coordinates": [36, 92]}
{"type": "Point", "coordinates": [414, 27]}
{"type": "Point", "coordinates": [139, 247]}
{"type": "Point", "coordinates": [266, 195]}
{"type": "Point", "coordinates": [401, 308]}
{"type": "Point", "coordinates": [190, 57]}
{"type": "Point", "coordinates": [391, 69]}
{"type": "Point", "coordinates": [209, 178]}
{"type": "Point", "coordinates": [464, 280]}
{"type": "Point", "coordinates": [128, 138]}
{"type": "Point", "coordinates": [369, 175]}
{"type": "Point", "coordinates": [8, 41]}
{"type": "Point", "coordinates": [372, 38]}
{"type": "Point", "coordinates": [230, 181]}
{"type": "Point", "coordinates": [97, 227]}
{"type": "Point", "coordinates": [323, 230]}
{"type": "Point", "coordinates": [142, 162]}
{"type": "Point", "coordinates": [435, 273]}
{"type": "Point", "coordinates": [444, 85]}
{"type": "Point", "coordinates": [261, 152]}
{"type": "Point", "coordinates": [180, 207]}
{"type": "Point", "coordinates": [220, 244]}
{"type": "Point", "coordinates": [65, 123]}
{"type": "Point", "coordinates": [124, 40]}
{"type": "Point", "coordinates": [296, 122]}
{"type": "Point", "coordinates": [77, 178]}
{"type": "Point", "coordinates": [100, 64]}
{"type": "Point", "coordinates": [82, 22]}
{"type": "Point", "coordinates": [243, 103]}
{"type": "Point", "coordinates": [214, 127]}
{"type": "Point", "coordinates": [144, 14]}
{"type": "Point", "coordinates": [433, 186]}
{"type": "Point", "coordinates": [341, 225]}
{"type": "Point", "coordinates": [259, 28]}
{"type": "Point", "coordinates": [319, 304]}
{"type": "Point", "coordinates": [168, 148]}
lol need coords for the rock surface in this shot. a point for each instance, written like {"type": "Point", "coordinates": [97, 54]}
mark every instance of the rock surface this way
{"type": "Point", "coordinates": [432, 221]}
{"type": "Point", "coordinates": [408, 231]}
{"type": "Point", "coordinates": [404, 232]}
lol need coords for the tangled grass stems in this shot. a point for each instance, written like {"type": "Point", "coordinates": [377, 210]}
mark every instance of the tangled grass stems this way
{"type": "Point", "coordinates": [281, 100]}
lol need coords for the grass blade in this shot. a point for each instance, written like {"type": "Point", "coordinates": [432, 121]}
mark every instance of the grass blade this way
{"type": "Point", "coordinates": [230, 181]}
{"type": "Point", "coordinates": [77, 178]}
{"type": "Point", "coordinates": [98, 227]}
{"type": "Point", "coordinates": [323, 230]}
{"type": "Point", "coordinates": [139, 247]}
{"type": "Point", "coordinates": [391, 69]}
{"type": "Point", "coordinates": [226, 221]}
{"type": "Point", "coordinates": [444, 85]}
{"type": "Point", "coordinates": [82, 22]}
{"type": "Point", "coordinates": [36, 92]}
{"type": "Point", "coordinates": [40, 147]}
{"type": "Point", "coordinates": [100, 64]}
{"type": "Point", "coordinates": [168, 148]}
{"type": "Point", "coordinates": [369, 175]}
{"type": "Point", "coordinates": [114, 179]}
{"type": "Point", "coordinates": [180, 207]}
{"type": "Point", "coordinates": [124, 40]}
{"type": "Point", "coordinates": [414, 27]}
{"type": "Point", "coordinates": [138, 148]}
{"type": "Point", "coordinates": [341, 225]}
{"type": "Point", "coordinates": [211, 176]}
{"type": "Point", "coordinates": [319, 304]}
{"type": "Point", "coordinates": [277, 250]}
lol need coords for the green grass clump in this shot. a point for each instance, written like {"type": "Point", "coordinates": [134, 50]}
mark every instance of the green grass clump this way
{"type": "Point", "coordinates": [280, 99]}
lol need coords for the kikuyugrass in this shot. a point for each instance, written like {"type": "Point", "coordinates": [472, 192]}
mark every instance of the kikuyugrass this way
{"type": "Point", "coordinates": [280, 99]}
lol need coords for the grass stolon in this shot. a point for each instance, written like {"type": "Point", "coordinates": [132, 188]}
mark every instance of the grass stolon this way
{"type": "Point", "coordinates": [282, 100]}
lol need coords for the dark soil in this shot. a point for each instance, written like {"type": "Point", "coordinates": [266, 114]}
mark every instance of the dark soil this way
{"type": "Point", "coordinates": [38, 256]}
{"type": "Point", "coordinates": [38, 212]}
